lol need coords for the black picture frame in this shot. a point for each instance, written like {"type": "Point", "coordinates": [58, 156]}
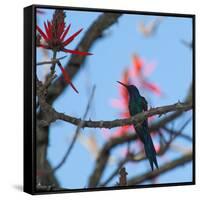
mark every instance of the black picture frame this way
{"type": "Point", "coordinates": [30, 98]}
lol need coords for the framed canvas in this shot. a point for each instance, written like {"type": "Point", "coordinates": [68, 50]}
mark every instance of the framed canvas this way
{"type": "Point", "coordinates": [109, 99]}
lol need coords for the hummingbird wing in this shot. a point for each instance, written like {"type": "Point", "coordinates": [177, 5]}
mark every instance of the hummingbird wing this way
{"type": "Point", "coordinates": [144, 108]}
{"type": "Point", "coordinates": [144, 104]}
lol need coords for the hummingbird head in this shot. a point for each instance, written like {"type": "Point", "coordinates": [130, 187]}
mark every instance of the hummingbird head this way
{"type": "Point", "coordinates": [132, 89]}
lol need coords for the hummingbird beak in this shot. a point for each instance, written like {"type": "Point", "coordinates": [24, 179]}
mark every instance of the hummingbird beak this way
{"type": "Point", "coordinates": [122, 84]}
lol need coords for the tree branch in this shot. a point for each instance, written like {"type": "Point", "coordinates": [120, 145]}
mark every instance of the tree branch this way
{"type": "Point", "coordinates": [118, 122]}
{"type": "Point", "coordinates": [53, 61]}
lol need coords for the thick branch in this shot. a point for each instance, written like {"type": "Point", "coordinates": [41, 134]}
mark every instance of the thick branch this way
{"type": "Point", "coordinates": [95, 32]}
{"type": "Point", "coordinates": [166, 167]}
{"type": "Point", "coordinates": [120, 122]}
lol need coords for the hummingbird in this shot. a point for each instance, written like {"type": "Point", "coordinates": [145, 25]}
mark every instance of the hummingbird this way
{"type": "Point", "coordinates": [137, 104]}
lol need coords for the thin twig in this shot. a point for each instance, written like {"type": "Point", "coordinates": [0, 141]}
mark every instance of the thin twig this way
{"type": "Point", "coordinates": [51, 76]}
{"type": "Point", "coordinates": [179, 132]}
{"type": "Point", "coordinates": [76, 133]}
{"type": "Point", "coordinates": [53, 61]}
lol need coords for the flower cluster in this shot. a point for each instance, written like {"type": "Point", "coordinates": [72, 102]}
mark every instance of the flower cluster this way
{"type": "Point", "coordinates": [55, 35]}
{"type": "Point", "coordinates": [54, 38]}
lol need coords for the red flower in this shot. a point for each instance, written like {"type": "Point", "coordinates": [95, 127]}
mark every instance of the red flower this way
{"type": "Point", "coordinates": [140, 71]}
{"type": "Point", "coordinates": [152, 87]}
{"type": "Point", "coordinates": [55, 35]}
{"type": "Point", "coordinates": [138, 63]}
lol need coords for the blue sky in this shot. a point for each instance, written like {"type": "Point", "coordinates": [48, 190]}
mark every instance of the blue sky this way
{"type": "Point", "coordinates": [112, 55]}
